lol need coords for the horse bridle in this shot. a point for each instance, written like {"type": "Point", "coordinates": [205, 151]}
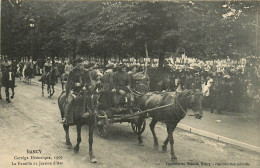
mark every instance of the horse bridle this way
{"type": "Point", "coordinates": [89, 94]}
{"type": "Point", "coordinates": [178, 103]}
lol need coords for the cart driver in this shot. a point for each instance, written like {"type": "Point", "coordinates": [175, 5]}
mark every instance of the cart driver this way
{"type": "Point", "coordinates": [122, 83]}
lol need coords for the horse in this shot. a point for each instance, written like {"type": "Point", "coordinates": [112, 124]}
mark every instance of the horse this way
{"type": "Point", "coordinates": [50, 80]}
{"type": "Point", "coordinates": [19, 71]}
{"type": "Point", "coordinates": [83, 105]}
{"type": "Point", "coordinates": [173, 108]}
{"type": "Point", "coordinates": [28, 73]}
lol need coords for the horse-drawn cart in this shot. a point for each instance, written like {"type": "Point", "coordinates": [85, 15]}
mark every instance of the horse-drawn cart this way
{"type": "Point", "coordinates": [105, 118]}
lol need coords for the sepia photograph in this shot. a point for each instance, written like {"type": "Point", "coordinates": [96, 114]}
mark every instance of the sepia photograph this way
{"type": "Point", "coordinates": [129, 84]}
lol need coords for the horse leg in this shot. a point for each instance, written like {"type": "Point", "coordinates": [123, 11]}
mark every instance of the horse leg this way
{"type": "Point", "coordinates": [90, 140]}
{"type": "Point", "coordinates": [42, 88]}
{"type": "Point", "coordinates": [52, 90]}
{"type": "Point", "coordinates": [12, 88]}
{"type": "Point", "coordinates": [66, 129]}
{"type": "Point", "coordinates": [7, 94]}
{"type": "Point", "coordinates": [165, 143]}
{"type": "Point", "coordinates": [152, 125]}
{"type": "Point", "coordinates": [139, 127]}
{"type": "Point", "coordinates": [76, 148]}
{"type": "Point", "coordinates": [48, 89]}
{"type": "Point", "coordinates": [170, 129]}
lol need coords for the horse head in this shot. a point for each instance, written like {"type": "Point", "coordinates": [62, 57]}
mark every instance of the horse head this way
{"type": "Point", "coordinates": [91, 89]}
{"type": "Point", "coordinates": [196, 100]}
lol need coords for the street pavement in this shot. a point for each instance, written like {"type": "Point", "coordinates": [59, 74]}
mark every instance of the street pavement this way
{"type": "Point", "coordinates": [243, 127]}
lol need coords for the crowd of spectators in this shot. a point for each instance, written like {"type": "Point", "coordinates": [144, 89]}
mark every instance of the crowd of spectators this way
{"type": "Point", "coordinates": [229, 89]}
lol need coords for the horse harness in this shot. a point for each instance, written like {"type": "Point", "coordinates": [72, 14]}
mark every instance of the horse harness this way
{"type": "Point", "coordinates": [192, 99]}
{"type": "Point", "coordinates": [178, 103]}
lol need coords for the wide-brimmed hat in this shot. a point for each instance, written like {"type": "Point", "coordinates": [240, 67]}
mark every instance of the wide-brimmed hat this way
{"type": "Point", "coordinates": [110, 66]}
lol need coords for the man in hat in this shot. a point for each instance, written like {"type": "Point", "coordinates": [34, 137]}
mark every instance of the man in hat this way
{"type": "Point", "coordinates": [132, 72]}
{"type": "Point", "coordinates": [197, 82]}
{"type": "Point", "coordinates": [3, 66]}
{"type": "Point", "coordinates": [47, 66]}
{"type": "Point", "coordinates": [8, 80]}
{"type": "Point", "coordinates": [68, 67]}
{"type": "Point", "coordinates": [140, 80]}
{"type": "Point", "coordinates": [73, 86]}
{"type": "Point", "coordinates": [107, 81]}
{"type": "Point", "coordinates": [122, 83]}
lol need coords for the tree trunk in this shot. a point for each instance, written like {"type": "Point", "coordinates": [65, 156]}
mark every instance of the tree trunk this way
{"type": "Point", "coordinates": [105, 58]}
{"type": "Point", "coordinates": [161, 61]}
{"type": "Point", "coordinates": [146, 54]}
{"type": "Point", "coordinates": [74, 50]}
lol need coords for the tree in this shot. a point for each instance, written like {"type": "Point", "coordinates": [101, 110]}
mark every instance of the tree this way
{"type": "Point", "coordinates": [129, 29]}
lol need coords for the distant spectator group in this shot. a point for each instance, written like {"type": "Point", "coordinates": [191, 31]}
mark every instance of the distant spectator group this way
{"type": "Point", "coordinates": [226, 90]}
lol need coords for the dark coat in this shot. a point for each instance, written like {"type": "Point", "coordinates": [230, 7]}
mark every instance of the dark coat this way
{"type": "Point", "coordinates": [8, 76]}
{"type": "Point", "coordinates": [121, 80]}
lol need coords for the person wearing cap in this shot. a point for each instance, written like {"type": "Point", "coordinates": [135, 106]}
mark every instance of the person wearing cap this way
{"type": "Point", "coordinates": [47, 66]}
{"type": "Point", "coordinates": [132, 69]}
{"type": "Point", "coordinates": [4, 65]}
{"type": "Point", "coordinates": [197, 82]}
{"type": "Point", "coordinates": [121, 84]}
{"type": "Point", "coordinates": [73, 86]}
{"type": "Point", "coordinates": [8, 80]}
{"type": "Point", "coordinates": [222, 90]}
{"type": "Point", "coordinates": [132, 72]}
{"type": "Point", "coordinates": [2, 70]}
{"type": "Point", "coordinates": [206, 91]}
{"type": "Point", "coordinates": [107, 82]}
{"type": "Point", "coordinates": [140, 81]}
{"type": "Point", "coordinates": [227, 93]}
{"type": "Point", "coordinates": [68, 67]}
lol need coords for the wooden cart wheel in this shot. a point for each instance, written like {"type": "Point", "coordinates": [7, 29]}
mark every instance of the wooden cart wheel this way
{"type": "Point", "coordinates": [135, 127]}
{"type": "Point", "coordinates": [102, 123]}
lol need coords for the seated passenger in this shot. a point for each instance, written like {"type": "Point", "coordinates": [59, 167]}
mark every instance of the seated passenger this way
{"type": "Point", "coordinates": [122, 83]}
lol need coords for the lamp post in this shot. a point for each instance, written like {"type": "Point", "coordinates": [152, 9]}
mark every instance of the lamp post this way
{"type": "Point", "coordinates": [32, 25]}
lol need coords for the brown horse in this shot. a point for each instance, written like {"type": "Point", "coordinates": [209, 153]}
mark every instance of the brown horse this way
{"type": "Point", "coordinates": [83, 111]}
{"type": "Point", "coordinates": [176, 105]}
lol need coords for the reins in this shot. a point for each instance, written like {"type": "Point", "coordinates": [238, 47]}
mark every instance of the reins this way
{"type": "Point", "coordinates": [178, 103]}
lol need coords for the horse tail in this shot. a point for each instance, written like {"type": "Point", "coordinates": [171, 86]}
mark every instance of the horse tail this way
{"type": "Point", "coordinates": [62, 104]}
